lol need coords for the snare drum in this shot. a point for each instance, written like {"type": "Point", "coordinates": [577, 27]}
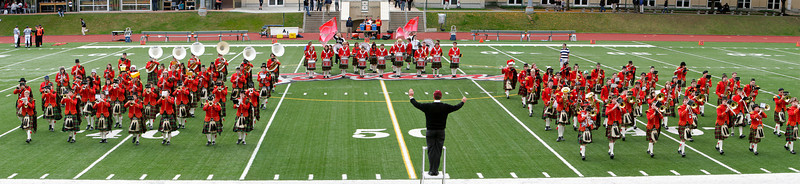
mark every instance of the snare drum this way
{"type": "Point", "coordinates": [312, 65]}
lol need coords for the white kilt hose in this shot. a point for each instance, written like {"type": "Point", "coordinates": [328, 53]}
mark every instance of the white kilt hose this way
{"type": "Point", "coordinates": [137, 126]}
{"type": "Point", "coordinates": [212, 127]}
{"type": "Point", "coordinates": [29, 123]}
{"type": "Point", "coordinates": [103, 123]}
{"type": "Point", "coordinates": [72, 123]}
{"type": "Point", "coordinates": [585, 137]}
{"type": "Point", "coordinates": [167, 123]}
{"type": "Point", "coordinates": [243, 124]}
{"type": "Point", "coordinates": [52, 112]}
{"type": "Point", "coordinates": [343, 63]}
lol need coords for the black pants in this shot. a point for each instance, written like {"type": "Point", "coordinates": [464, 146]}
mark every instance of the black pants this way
{"type": "Point", "coordinates": [218, 6]}
{"type": "Point", "coordinates": [18, 39]}
{"type": "Point", "coordinates": [38, 41]}
{"type": "Point", "coordinates": [435, 139]}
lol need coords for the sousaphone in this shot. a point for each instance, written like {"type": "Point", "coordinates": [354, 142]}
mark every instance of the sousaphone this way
{"type": "Point", "coordinates": [197, 48]}
{"type": "Point", "coordinates": [179, 53]}
{"type": "Point", "coordinates": [249, 53]}
{"type": "Point", "coordinates": [278, 49]}
{"type": "Point", "coordinates": [223, 48]}
{"type": "Point", "coordinates": [155, 53]}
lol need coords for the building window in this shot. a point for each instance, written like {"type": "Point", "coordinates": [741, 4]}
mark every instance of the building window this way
{"type": "Point", "coordinates": [514, 1]}
{"type": "Point", "coordinates": [650, 3]}
{"type": "Point", "coordinates": [276, 2]}
{"type": "Point", "coordinates": [135, 5]}
{"type": "Point", "coordinates": [712, 3]}
{"type": "Point", "coordinates": [743, 4]}
{"type": "Point", "coordinates": [683, 3]}
{"type": "Point", "coordinates": [581, 2]}
{"type": "Point", "coordinates": [93, 5]}
{"type": "Point", "coordinates": [773, 4]}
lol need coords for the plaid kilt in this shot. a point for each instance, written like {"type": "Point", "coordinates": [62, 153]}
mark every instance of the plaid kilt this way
{"type": "Point", "coordinates": [551, 116]}
{"type": "Point", "coordinates": [608, 132]}
{"type": "Point", "coordinates": [718, 132]}
{"type": "Point", "coordinates": [185, 114]}
{"type": "Point", "coordinates": [88, 111]}
{"type": "Point", "coordinates": [580, 137]}
{"type": "Point", "coordinates": [453, 65]}
{"type": "Point", "coordinates": [137, 126]}
{"type": "Point", "coordinates": [148, 115]}
{"type": "Point", "coordinates": [243, 125]}
{"type": "Point", "coordinates": [778, 116]}
{"type": "Point", "coordinates": [530, 98]}
{"type": "Point", "coordinates": [752, 136]}
{"type": "Point", "coordinates": [523, 92]}
{"type": "Point", "coordinates": [164, 127]}
{"type": "Point", "coordinates": [194, 98]}
{"type": "Point", "coordinates": [222, 113]}
{"type": "Point", "coordinates": [790, 134]}
{"type": "Point", "coordinates": [628, 120]}
{"type": "Point", "coordinates": [74, 126]}
{"type": "Point", "coordinates": [31, 124]}
{"type": "Point", "coordinates": [682, 132]}
{"type": "Point", "coordinates": [566, 117]}
{"type": "Point", "coordinates": [373, 60]}
{"type": "Point", "coordinates": [649, 134]}
{"type": "Point", "coordinates": [56, 113]}
{"type": "Point", "coordinates": [122, 109]}
{"type": "Point", "coordinates": [106, 126]}
{"type": "Point", "coordinates": [436, 65]}
{"type": "Point", "coordinates": [152, 78]}
{"type": "Point", "coordinates": [508, 84]}
{"type": "Point", "coordinates": [212, 128]}
{"type": "Point", "coordinates": [409, 58]}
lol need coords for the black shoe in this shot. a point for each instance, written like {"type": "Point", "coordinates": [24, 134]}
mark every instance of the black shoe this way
{"type": "Point", "coordinates": [634, 127]}
{"type": "Point", "coordinates": [244, 143]}
{"type": "Point", "coordinates": [755, 152]}
{"type": "Point", "coordinates": [703, 114]}
{"type": "Point", "coordinates": [683, 154]}
{"type": "Point", "coordinates": [786, 147]}
{"type": "Point", "coordinates": [530, 114]}
{"type": "Point", "coordinates": [239, 141]}
{"type": "Point", "coordinates": [691, 140]}
{"type": "Point", "coordinates": [133, 140]}
{"type": "Point", "coordinates": [137, 143]}
{"type": "Point", "coordinates": [163, 141]}
{"type": "Point", "coordinates": [547, 128]}
{"type": "Point", "coordinates": [583, 157]}
{"type": "Point", "coordinates": [28, 141]}
{"type": "Point", "coordinates": [623, 138]}
{"type": "Point", "coordinates": [575, 128]}
{"type": "Point", "coordinates": [434, 173]}
{"type": "Point", "coordinates": [208, 143]}
{"type": "Point", "coordinates": [559, 139]}
{"type": "Point", "coordinates": [419, 75]}
{"type": "Point", "coordinates": [778, 134]}
{"type": "Point", "coordinates": [102, 141]}
{"type": "Point", "coordinates": [792, 152]}
{"type": "Point", "coordinates": [612, 156]}
{"type": "Point", "coordinates": [454, 76]}
{"type": "Point", "coordinates": [406, 68]}
{"type": "Point", "coordinates": [751, 149]}
{"type": "Point", "coordinates": [69, 139]}
{"type": "Point", "coordinates": [721, 152]}
{"type": "Point", "coordinates": [192, 115]}
{"type": "Point", "coordinates": [741, 136]}
{"type": "Point", "coordinates": [167, 143]}
{"type": "Point", "coordinates": [73, 140]}
{"type": "Point", "coordinates": [213, 143]}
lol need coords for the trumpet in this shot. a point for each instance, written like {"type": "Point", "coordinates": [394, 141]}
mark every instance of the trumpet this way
{"type": "Point", "coordinates": [632, 100]}
{"type": "Point", "coordinates": [700, 98]}
{"type": "Point", "coordinates": [767, 107]}
{"type": "Point", "coordinates": [593, 113]}
{"type": "Point", "coordinates": [693, 105]}
{"type": "Point", "coordinates": [662, 109]}
{"type": "Point", "coordinates": [734, 105]}
{"type": "Point", "coordinates": [660, 97]}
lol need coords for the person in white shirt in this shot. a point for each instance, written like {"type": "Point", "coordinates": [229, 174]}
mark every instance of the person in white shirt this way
{"type": "Point", "coordinates": [27, 37]}
{"type": "Point", "coordinates": [16, 36]}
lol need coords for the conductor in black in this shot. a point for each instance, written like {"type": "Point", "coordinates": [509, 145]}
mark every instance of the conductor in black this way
{"type": "Point", "coordinates": [435, 121]}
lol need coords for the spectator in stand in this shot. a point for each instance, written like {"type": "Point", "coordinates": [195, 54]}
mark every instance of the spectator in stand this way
{"type": "Point", "coordinates": [60, 12]}
{"type": "Point", "coordinates": [311, 4]}
{"type": "Point", "coordinates": [336, 2]}
{"type": "Point", "coordinates": [13, 8]}
{"type": "Point", "coordinates": [614, 5]}
{"type": "Point", "coordinates": [446, 4]}
{"type": "Point", "coordinates": [328, 6]}
{"type": "Point", "coordinates": [402, 5]}
{"type": "Point", "coordinates": [641, 6]}
{"type": "Point", "coordinates": [218, 5]}
{"type": "Point", "coordinates": [635, 5]}
{"type": "Point", "coordinates": [726, 8]}
{"type": "Point", "coordinates": [378, 23]}
{"type": "Point", "coordinates": [349, 25]}
{"type": "Point", "coordinates": [602, 5]}
{"type": "Point", "coordinates": [319, 4]}
{"type": "Point", "coordinates": [260, 4]}
{"type": "Point", "coordinates": [666, 3]}
{"type": "Point", "coordinates": [305, 4]}
{"type": "Point", "coordinates": [410, 2]}
{"type": "Point", "coordinates": [396, 3]}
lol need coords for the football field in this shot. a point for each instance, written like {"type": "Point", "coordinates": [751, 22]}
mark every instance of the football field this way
{"type": "Point", "coordinates": [366, 129]}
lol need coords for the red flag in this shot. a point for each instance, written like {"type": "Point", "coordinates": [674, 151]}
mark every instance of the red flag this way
{"type": "Point", "coordinates": [327, 30]}
{"type": "Point", "coordinates": [411, 25]}
{"type": "Point", "coordinates": [400, 33]}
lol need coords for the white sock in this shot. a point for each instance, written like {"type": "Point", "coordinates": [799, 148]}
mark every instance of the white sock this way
{"type": "Point", "coordinates": [702, 109]}
{"type": "Point", "coordinates": [547, 122]}
{"type": "Point", "coordinates": [214, 138]}
{"type": "Point", "coordinates": [169, 136]}
{"type": "Point", "coordinates": [560, 130]}
{"type": "Point", "coordinates": [611, 147]}
{"type": "Point", "coordinates": [164, 135]}
{"type": "Point", "coordinates": [575, 121]}
{"type": "Point", "coordinates": [650, 147]}
{"type": "Point", "coordinates": [454, 71]}
{"type": "Point", "coordinates": [244, 136]}
{"type": "Point", "coordinates": [523, 100]}
{"type": "Point", "coordinates": [665, 121]}
{"type": "Point", "coordinates": [755, 147]}
{"type": "Point", "coordinates": [208, 136]}
{"type": "Point", "coordinates": [683, 143]}
{"type": "Point", "coordinates": [53, 123]}
{"type": "Point", "coordinates": [506, 92]}
{"type": "Point", "coordinates": [29, 133]}
{"type": "Point", "coordinates": [791, 146]}
{"type": "Point", "coordinates": [623, 129]}
{"type": "Point", "coordinates": [777, 127]}
{"type": "Point", "coordinates": [583, 150]}
{"type": "Point", "coordinates": [740, 131]}
{"type": "Point", "coordinates": [530, 108]}
{"type": "Point", "coordinates": [191, 111]}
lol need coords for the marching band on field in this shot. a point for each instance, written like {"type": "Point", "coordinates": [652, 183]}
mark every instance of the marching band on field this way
{"type": "Point", "coordinates": [170, 95]}
{"type": "Point", "coordinates": [590, 100]}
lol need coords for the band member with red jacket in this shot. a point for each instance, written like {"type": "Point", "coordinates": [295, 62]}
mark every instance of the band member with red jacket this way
{"type": "Point", "coordinates": [221, 64]}
{"type": "Point", "coordinates": [273, 62]}
{"type": "Point", "coordinates": [791, 126]}
{"type": "Point", "coordinates": [264, 84]}
{"type": "Point", "coordinates": [548, 111]}
{"type": "Point", "coordinates": [124, 63]}
{"type": "Point", "coordinates": [419, 60]}
{"type": "Point", "coordinates": [722, 89]}
{"type": "Point", "coordinates": [562, 105]}
{"type": "Point", "coordinates": [191, 83]}
{"type": "Point", "coordinates": [530, 92]}
{"type": "Point", "coordinates": [509, 77]}
{"type": "Point", "coordinates": [238, 82]}
{"type": "Point", "coordinates": [117, 98]}
{"type": "Point", "coordinates": [182, 96]}
{"type": "Point", "coordinates": [51, 107]}
{"type": "Point", "coordinates": [310, 55]}
{"type": "Point", "coordinates": [436, 54]}
{"type": "Point", "coordinates": [584, 131]}
{"type": "Point", "coordinates": [72, 120]}
{"type": "Point", "coordinates": [344, 54]}
{"type": "Point", "coordinates": [361, 61]}
{"type": "Point", "coordinates": [780, 110]}
{"type": "Point", "coordinates": [20, 92]}
{"type": "Point", "coordinates": [756, 128]}
{"type": "Point", "coordinates": [78, 70]}
{"type": "Point", "coordinates": [243, 123]}
{"type": "Point", "coordinates": [87, 93]}
{"type": "Point", "coordinates": [723, 117]}
{"type": "Point", "coordinates": [686, 119]}
{"type": "Point", "coordinates": [523, 92]}
{"type": "Point", "coordinates": [614, 113]}
{"type": "Point", "coordinates": [150, 105]}
{"type": "Point", "coordinates": [327, 61]}
{"type": "Point", "coordinates": [680, 72]}
{"type": "Point", "coordinates": [751, 90]}
{"type": "Point", "coordinates": [152, 76]}
{"type": "Point", "coordinates": [654, 116]}
{"type": "Point", "coordinates": [220, 92]}
{"type": "Point", "coordinates": [213, 122]}
{"type": "Point", "coordinates": [101, 107]}
{"type": "Point", "coordinates": [410, 48]}
{"type": "Point", "coordinates": [137, 127]}
{"type": "Point", "coordinates": [27, 108]}
{"type": "Point", "coordinates": [740, 113]}
{"type": "Point", "coordinates": [373, 57]}
{"type": "Point", "coordinates": [168, 122]}
{"type": "Point", "coordinates": [398, 51]}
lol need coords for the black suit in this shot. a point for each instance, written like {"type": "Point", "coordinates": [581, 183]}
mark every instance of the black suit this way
{"type": "Point", "coordinates": [435, 121]}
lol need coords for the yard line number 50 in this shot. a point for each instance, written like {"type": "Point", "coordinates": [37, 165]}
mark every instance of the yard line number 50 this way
{"type": "Point", "coordinates": [379, 133]}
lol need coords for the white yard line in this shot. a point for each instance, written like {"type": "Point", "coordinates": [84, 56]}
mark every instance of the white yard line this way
{"type": "Point", "coordinates": [513, 175]}
{"type": "Point", "coordinates": [545, 174]}
{"type": "Point", "coordinates": [40, 57]}
{"type": "Point", "coordinates": [721, 61]}
{"type": "Point", "coordinates": [17, 127]}
{"type": "Point", "coordinates": [264, 133]}
{"type": "Point", "coordinates": [377, 176]}
{"type": "Point", "coordinates": [765, 170]}
{"type": "Point", "coordinates": [344, 176]}
{"type": "Point", "coordinates": [44, 176]}
{"type": "Point", "coordinates": [526, 127]}
{"type": "Point", "coordinates": [769, 58]}
{"type": "Point", "coordinates": [612, 174]}
{"type": "Point", "coordinates": [675, 172]}
{"type": "Point", "coordinates": [176, 177]}
{"type": "Point", "coordinates": [695, 150]}
{"type": "Point", "coordinates": [12, 176]}
{"type": "Point", "coordinates": [110, 176]}
{"type": "Point", "coordinates": [102, 157]}
{"type": "Point", "coordinates": [311, 177]}
{"type": "Point", "coordinates": [792, 53]}
{"type": "Point", "coordinates": [643, 173]}
{"type": "Point", "coordinates": [705, 172]}
{"type": "Point", "coordinates": [210, 176]}
{"type": "Point", "coordinates": [277, 176]}
{"type": "Point", "coordinates": [84, 63]}
{"type": "Point", "coordinates": [143, 177]}
{"type": "Point", "coordinates": [793, 169]}
{"type": "Point", "coordinates": [479, 175]}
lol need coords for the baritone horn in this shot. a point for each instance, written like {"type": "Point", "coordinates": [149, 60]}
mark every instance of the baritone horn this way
{"type": "Point", "coordinates": [660, 97]}
{"type": "Point", "coordinates": [277, 49]}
